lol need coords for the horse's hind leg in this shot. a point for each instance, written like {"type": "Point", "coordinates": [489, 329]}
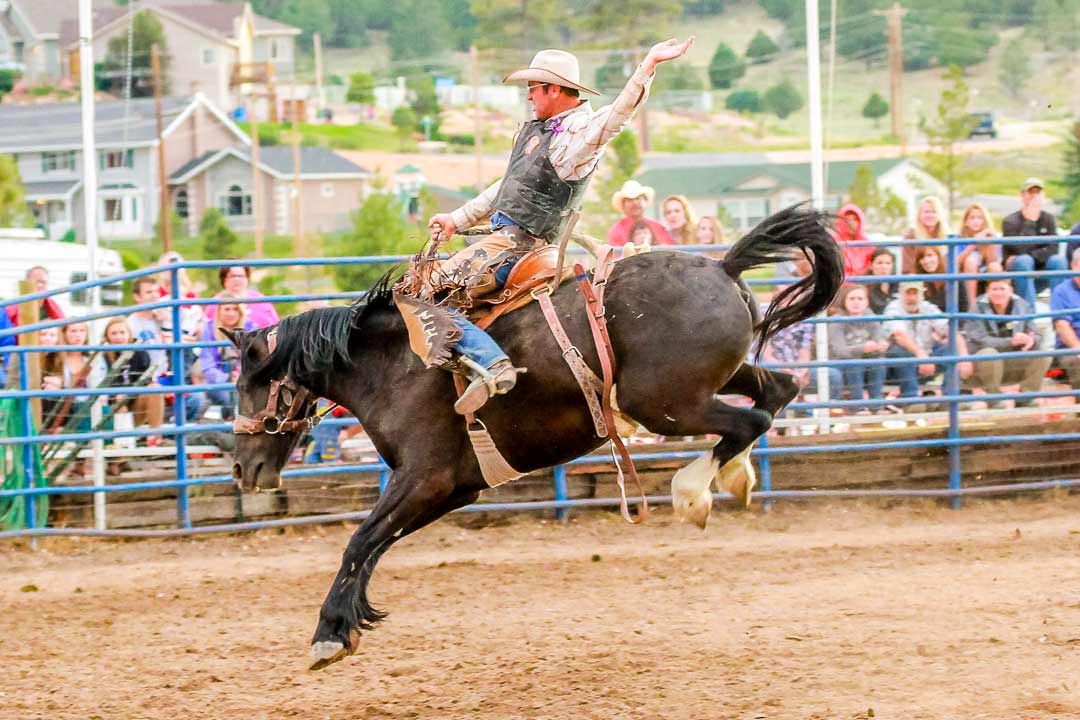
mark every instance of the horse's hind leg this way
{"type": "Point", "coordinates": [407, 506]}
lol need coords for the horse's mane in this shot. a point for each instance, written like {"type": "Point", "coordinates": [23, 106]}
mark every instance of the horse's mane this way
{"type": "Point", "coordinates": [317, 341]}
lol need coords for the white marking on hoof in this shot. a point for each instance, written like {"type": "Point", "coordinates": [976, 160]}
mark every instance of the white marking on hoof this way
{"type": "Point", "coordinates": [738, 477]}
{"type": "Point", "coordinates": [690, 496]}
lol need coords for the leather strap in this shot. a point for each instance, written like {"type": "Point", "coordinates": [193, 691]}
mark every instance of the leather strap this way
{"type": "Point", "coordinates": [591, 386]}
{"type": "Point", "coordinates": [594, 302]}
{"type": "Point", "coordinates": [493, 466]}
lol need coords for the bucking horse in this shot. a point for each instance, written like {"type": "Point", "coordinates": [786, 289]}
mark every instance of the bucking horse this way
{"type": "Point", "coordinates": [682, 328]}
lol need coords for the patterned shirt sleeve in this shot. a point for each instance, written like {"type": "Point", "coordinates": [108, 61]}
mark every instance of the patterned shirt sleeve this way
{"type": "Point", "coordinates": [470, 213]}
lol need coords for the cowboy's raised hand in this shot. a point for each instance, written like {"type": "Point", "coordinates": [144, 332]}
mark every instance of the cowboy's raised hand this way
{"type": "Point", "coordinates": [668, 50]}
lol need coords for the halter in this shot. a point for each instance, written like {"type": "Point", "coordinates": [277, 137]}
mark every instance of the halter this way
{"type": "Point", "coordinates": [269, 420]}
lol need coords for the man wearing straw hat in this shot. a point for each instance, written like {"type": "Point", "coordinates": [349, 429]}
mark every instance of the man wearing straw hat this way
{"type": "Point", "coordinates": [553, 158]}
{"type": "Point", "coordinates": [631, 200]}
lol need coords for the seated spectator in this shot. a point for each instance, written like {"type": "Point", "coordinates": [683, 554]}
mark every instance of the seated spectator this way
{"type": "Point", "coordinates": [850, 227]}
{"type": "Point", "coordinates": [930, 224]}
{"type": "Point", "coordinates": [854, 340]}
{"type": "Point", "coordinates": [989, 337]}
{"type": "Point", "coordinates": [928, 262]}
{"type": "Point", "coordinates": [1065, 304]}
{"type": "Point", "coordinates": [127, 368]}
{"type": "Point", "coordinates": [976, 223]}
{"type": "Point", "coordinates": [147, 327]}
{"type": "Point", "coordinates": [222, 364]}
{"type": "Point", "coordinates": [50, 309]}
{"type": "Point", "coordinates": [709, 231]}
{"type": "Point", "coordinates": [64, 370]}
{"type": "Point", "coordinates": [1072, 245]}
{"type": "Point", "coordinates": [5, 342]}
{"type": "Point", "coordinates": [1030, 220]}
{"type": "Point", "coordinates": [679, 219]}
{"type": "Point", "coordinates": [191, 316]}
{"type": "Point", "coordinates": [912, 337]}
{"type": "Point", "coordinates": [235, 281]}
{"type": "Point", "coordinates": [882, 262]}
{"type": "Point", "coordinates": [641, 234]}
{"type": "Point", "coordinates": [632, 200]}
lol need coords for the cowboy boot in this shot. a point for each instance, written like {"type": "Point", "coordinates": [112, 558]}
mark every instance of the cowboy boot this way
{"type": "Point", "coordinates": [495, 380]}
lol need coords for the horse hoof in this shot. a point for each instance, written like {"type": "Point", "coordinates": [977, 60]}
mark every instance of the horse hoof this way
{"type": "Point", "coordinates": [327, 652]}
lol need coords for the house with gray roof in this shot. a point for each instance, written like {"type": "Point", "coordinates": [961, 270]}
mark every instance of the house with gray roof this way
{"type": "Point", "coordinates": [46, 141]}
{"type": "Point", "coordinates": [331, 188]}
{"type": "Point", "coordinates": [749, 188]}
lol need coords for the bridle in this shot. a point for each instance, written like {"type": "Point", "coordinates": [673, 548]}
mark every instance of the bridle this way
{"type": "Point", "coordinates": [269, 420]}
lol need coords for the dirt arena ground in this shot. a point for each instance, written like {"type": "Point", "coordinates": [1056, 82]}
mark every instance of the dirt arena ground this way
{"type": "Point", "coordinates": [818, 610]}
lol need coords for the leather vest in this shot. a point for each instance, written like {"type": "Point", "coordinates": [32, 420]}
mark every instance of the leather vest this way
{"type": "Point", "coordinates": [532, 194]}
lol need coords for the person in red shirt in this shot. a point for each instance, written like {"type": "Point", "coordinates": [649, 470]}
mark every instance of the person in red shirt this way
{"type": "Point", "coordinates": [50, 309]}
{"type": "Point", "coordinates": [632, 200]}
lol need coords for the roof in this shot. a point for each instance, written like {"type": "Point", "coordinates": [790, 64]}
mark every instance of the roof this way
{"type": "Point", "coordinates": [315, 162]}
{"type": "Point", "coordinates": [50, 190]}
{"type": "Point", "coordinates": [58, 126]}
{"type": "Point", "coordinates": [44, 16]}
{"type": "Point", "coordinates": [701, 179]}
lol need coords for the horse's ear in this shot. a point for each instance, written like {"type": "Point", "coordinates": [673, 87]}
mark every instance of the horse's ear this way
{"type": "Point", "coordinates": [234, 336]}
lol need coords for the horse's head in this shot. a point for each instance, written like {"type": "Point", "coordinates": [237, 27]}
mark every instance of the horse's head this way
{"type": "Point", "coordinates": [273, 412]}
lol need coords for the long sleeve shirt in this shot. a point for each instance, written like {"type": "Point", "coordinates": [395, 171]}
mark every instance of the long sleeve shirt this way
{"type": "Point", "coordinates": [575, 151]}
{"type": "Point", "coordinates": [997, 334]}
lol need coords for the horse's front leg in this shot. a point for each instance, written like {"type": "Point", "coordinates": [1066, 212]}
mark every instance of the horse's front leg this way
{"type": "Point", "coordinates": [407, 505]}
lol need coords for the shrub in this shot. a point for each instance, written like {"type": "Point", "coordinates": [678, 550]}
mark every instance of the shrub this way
{"type": "Point", "coordinates": [745, 101]}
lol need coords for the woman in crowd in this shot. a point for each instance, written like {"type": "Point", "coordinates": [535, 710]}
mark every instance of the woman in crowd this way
{"type": "Point", "coordinates": [977, 224]}
{"type": "Point", "coordinates": [850, 227]}
{"type": "Point", "coordinates": [861, 339]}
{"type": "Point", "coordinates": [679, 219]}
{"type": "Point", "coordinates": [236, 281]}
{"type": "Point", "coordinates": [709, 231]}
{"type": "Point", "coordinates": [928, 262]}
{"type": "Point", "coordinates": [63, 370]}
{"type": "Point", "coordinates": [882, 262]}
{"type": "Point", "coordinates": [127, 368]}
{"type": "Point", "coordinates": [930, 224]}
{"type": "Point", "coordinates": [222, 364]}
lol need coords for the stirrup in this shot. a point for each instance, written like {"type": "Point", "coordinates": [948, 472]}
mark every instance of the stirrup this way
{"type": "Point", "coordinates": [499, 379]}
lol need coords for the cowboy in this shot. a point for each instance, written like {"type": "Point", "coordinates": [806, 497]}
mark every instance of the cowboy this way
{"type": "Point", "coordinates": [553, 158]}
{"type": "Point", "coordinates": [631, 200]}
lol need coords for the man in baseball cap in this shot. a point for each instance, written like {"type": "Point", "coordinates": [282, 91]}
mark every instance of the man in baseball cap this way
{"type": "Point", "coordinates": [1028, 221]}
{"type": "Point", "coordinates": [553, 158]}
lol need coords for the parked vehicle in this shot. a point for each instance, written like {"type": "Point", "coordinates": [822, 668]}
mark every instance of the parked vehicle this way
{"type": "Point", "coordinates": [983, 124]}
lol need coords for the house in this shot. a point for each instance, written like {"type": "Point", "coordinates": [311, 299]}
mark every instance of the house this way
{"type": "Point", "coordinates": [46, 141]}
{"type": "Point", "coordinates": [749, 188]}
{"type": "Point", "coordinates": [205, 42]}
{"type": "Point", "coordinates": [331, 188]}
{"type": "Point", "coordinates": [29, 37]}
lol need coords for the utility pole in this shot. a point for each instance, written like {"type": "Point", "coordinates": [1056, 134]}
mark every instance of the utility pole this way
{"type": "Point", "coordinates": [895, 15]}
{"type": "Point", "coordinates": [478, 127]}
{"type": "Point", "coordinates": [299, 242]}
{"type": "Point", "coordinates": [256, 180]}
{"type": "Point", "coordinates": [163, 212]}
{"type": "Point", "coordinates": [319, 101]}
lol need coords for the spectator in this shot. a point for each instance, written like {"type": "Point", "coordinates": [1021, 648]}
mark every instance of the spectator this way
{"type": "Point", "coordinates": [1030, 220]}
{"type": "Point", "coordinates": [235, 281]}
{"type": "Point", "coordinates": [50, 309]}
{"type": "Point", "coordinates": [222, 364]}
{"type": "Point", "coordinates": [928, 262]}
{"type": "Point", "coordinates": [1065, 304]}
{"type": "Point", "coordinates": [709, 231]}
{"type": "Point", "coordinates": [6, 341]}
{"type": "Point", "coordinates": [882, 262]}
{"type": "Point", "coordinates": [147, 326]}
{"type": "Point", "coordinates": [976, 223]}
{"type": "Point", "coordinates": [63, 370]}
{"type": "Point", "coordinates": [912, 337]}
{"type": "Point", "coordinates": [850, 227]}
{"type": "Point", "coordinates": [1072, 245]}
{"type": "Point", "coordinates": [854, 340]}
{"type": "Point", "coordinates": [128, 367]}
{"type": "Point", "coordinates": [641, 234]}
{"type": "Point", "coordinates": [324, 443]}
{"type": "Point", "coordinates": [930, 224]}
{"type": "Point", "coordinates": [679, 219]}
{"type": "Point", "coordinates": [1009, 334]}
{"type": "Point", "coordinates": [632, 200]}
{"type": "Point", "coordinates": [191, 316]}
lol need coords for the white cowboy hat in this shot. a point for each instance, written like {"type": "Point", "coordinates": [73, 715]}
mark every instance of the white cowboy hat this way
{"type": "Point", "coordinates": [556, 67]}
{"type": "Point", "coordinates": [632, 189]}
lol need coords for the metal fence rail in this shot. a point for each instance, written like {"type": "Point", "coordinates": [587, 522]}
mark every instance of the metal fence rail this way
{"type": "Point", "coordinates": [953, 442]}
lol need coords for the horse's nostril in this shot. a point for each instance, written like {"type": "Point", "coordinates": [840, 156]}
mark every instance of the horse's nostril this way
{"type": "Point", "coordinates": [237, 472]}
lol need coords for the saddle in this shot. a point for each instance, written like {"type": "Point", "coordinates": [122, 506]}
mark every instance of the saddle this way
{"type": "Point", "coordinates": [535, 269]}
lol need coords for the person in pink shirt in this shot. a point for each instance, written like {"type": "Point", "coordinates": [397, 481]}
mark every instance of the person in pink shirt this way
{"type": "Point", "coordinates": [234, 282]}
{"type": "Point", "coordinates": [850, 227]}
{"type": "Point", "coordinates": [632, 200]}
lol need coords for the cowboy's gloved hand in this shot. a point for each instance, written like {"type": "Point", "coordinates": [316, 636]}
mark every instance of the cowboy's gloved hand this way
{"type": "Point", "coordinates": [667, 50]}
{"type": "Point", "coordinates": [447, 228]}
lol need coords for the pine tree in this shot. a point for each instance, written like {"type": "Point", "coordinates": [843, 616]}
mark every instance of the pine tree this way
{"type": "Point", "coordinates": [1015, 67]}
{"type": "Point", "coordinates": [761, 48]}
{"type": "Point", "coordinates": [782, 99]}
{"type": "Point", "coordinates": [725, 67]}
{"type": "Point", "coordinates": [875, 108]}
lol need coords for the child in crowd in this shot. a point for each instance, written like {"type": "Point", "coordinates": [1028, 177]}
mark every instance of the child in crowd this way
{"type": "Point", "coordinates": [128, 367]}
{"type": "Point", "coordinates": [850, 227]}
{"type": "Point", "coordinates": [882, 262]}
{"type": "Point", "coordinates": [222, 364]}
{"type": "Point", "coordinates": [641, 234]}
{"type": "Point", "coordinates": [854, 340]}
{"type": "Point", "coordinates": [928, 262]}
{"type": "Point", "coordinates": [63, 370]}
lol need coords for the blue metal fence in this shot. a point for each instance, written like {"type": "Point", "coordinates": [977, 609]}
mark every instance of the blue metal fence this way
{"type": "Point", "coordinates": [954, 441]}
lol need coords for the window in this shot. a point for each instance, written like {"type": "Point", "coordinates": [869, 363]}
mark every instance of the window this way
{"type": "Point", "coordinates": [209, 57]}
{"type": "Point", "coordinates": [273, 49]}
{"type": "Point", "coordinates": [114, 210]}
{"type": "Point", "coordinates": [181, 203]}
{"type": "Point", "coordinates": [756, 210]}
{"type": "Point", "coordinates": [51, 161]}
{"type": "Point", "coordinates": [235, 202]}
{"type": "Point", "coordinates": [110, 159]}
{"type": "Point", "coordinates": [328, 189]}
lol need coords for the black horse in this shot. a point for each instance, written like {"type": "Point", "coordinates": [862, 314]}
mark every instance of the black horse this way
{"type": "Point", "coordinates": [681, 325]}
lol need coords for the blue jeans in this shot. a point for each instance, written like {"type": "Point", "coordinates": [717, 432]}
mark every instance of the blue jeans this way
{"type": "Point", "coordinates": [323, 442]}
{"type": "Point", "coordinates": [476, 344]}
{"type": "Point", "coordinates": [1026, 286]}
{"type": "Point", "coordinates": [860, 377]}
{"type": "Point", "coordinates": [908, 375]}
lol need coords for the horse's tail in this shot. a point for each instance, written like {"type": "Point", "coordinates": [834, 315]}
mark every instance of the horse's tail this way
{"type": "Point", "coordinates": [796, 228]}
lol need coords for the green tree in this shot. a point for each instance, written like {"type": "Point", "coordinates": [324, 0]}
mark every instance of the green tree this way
{"type": "Point", "coordinates": [379, 228]}
{"type": "Point", "coordinates": [311, 16]}
{"type": "Point", "coordinates": [523, 26]}
{"type": "Point", "coordinates": [725, 67]}
{"type": "Point", "coordinates": [8, 78]}
{"type": "Point", "coordinates": [612, 74]}
{"type": "Point", "coordinates": [418, 29]}
{"type": "Point", "coordinates": [875, 108]}
{"type": "Point", "coordinates": [404, 121]}
{"type": "Point", "coordinates": [950, 124]}
{"type": "Point", "coordinates": [883, 209]}
{"type": "Point", "coordinates": [1071, 181]}
{"type": "Point", "coordinates": [783, 10]}
{"type": "Point", "coordinates": [146, 31]}
{"type": "Point", "coordinates": [761, 48]}
{"type": "Point", "coordinates": [13, 209]}
{"type": "Point", "coordinates": [218, 239]}
{"type": "Point", "coordinates": [624, 159]}
{"type": "Point", "coordinates": [627, 24]}
{"type": "Point", "coordinates": [744, 101]}
{"type": "Point", "coordinates": [782, 99]}
{"type": "Point", "coordinates": [1015, 67]}
{"type": "Point", "coordinates": [361, 88]}
{"type": "Point", "coordinates": [425, 102]}
{"type": "Point", "coordinates": [679, 76]}
{"type": "Point", "coordinates": [349, 24]}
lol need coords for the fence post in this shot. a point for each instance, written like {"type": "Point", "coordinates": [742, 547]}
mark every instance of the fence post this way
{"type": "Point", "coordinates": [183, 507]}
{"type": "Point", "coordinates": [765, 471]}
{"type": "Point", "coordinates": [384, 480]}
{"type": "Point", "coordinates": [952, 372]}
{"type": "Point", "coordinates": [25, 407]}
{"type": "Point", "coordinates": [559, 481]}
